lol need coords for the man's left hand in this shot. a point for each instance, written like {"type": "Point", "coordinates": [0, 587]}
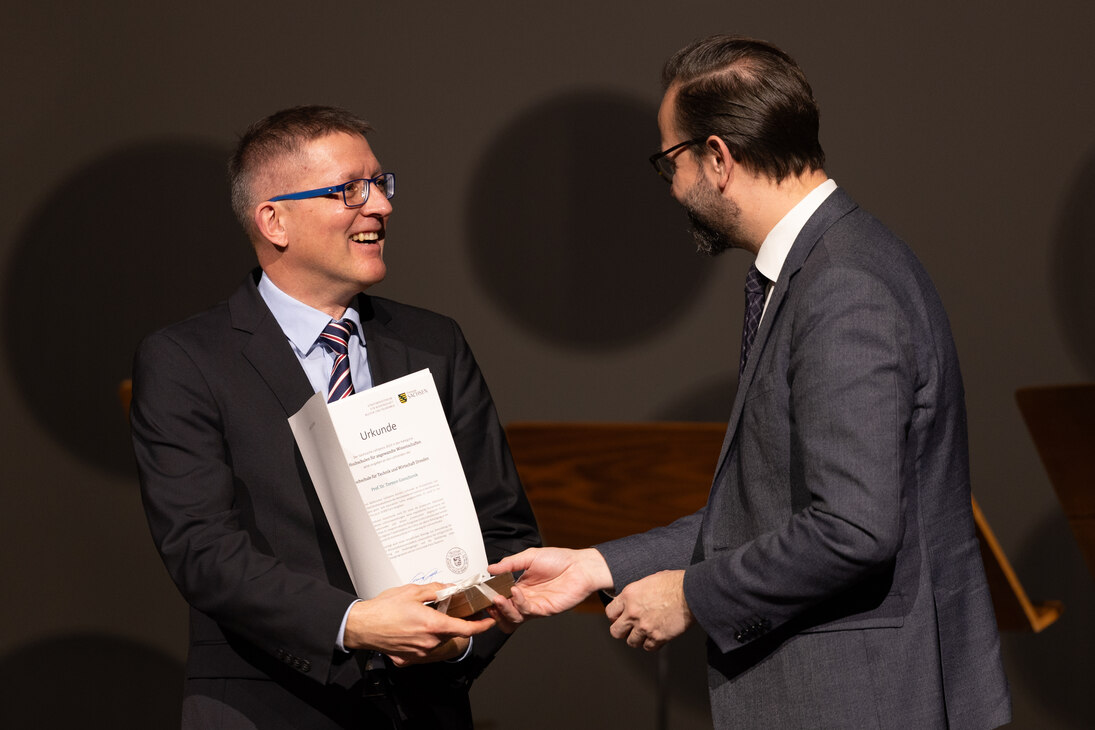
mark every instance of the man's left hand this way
{"type": "Point", "coordinates": [451, 649]}
{"type": "Point", "coordinates": [651, 611]}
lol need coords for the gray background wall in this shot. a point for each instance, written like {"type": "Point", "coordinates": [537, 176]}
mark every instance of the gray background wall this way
{"type": "Point", "coordinates": [527, 210]}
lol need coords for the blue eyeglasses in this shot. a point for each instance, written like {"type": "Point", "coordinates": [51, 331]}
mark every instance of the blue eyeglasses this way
{"type": "Point", "coordinates": [355, 193]}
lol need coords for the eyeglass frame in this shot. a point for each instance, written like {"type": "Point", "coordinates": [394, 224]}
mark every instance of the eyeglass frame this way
{"type": "Point", "coordinates": [657, 157]}
{"type": "Point", "coordinates": [389, 190]}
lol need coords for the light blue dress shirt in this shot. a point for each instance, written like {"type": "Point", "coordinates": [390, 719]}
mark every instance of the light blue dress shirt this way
{"type": "Point", "coordinates": [302, 326]}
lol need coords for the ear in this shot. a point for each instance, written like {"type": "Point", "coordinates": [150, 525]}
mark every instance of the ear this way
{"type": "Point", "coordinates": [270, 223]}
{"type": "Point", "coordinates": [718, 162]}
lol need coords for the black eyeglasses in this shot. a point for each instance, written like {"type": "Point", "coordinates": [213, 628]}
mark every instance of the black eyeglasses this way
{"type": "Point", "coordinates": [666, 167]}
{"type": "Point", "coordinates": [355, 193]}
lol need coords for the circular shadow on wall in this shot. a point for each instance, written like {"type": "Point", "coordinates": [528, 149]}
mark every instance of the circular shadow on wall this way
{"type": "Point", "coordinates": [132, 242]}
{"type": "Point", "coordinates": [89, 681]}
{"type": "Point", "coordinates": [573, 234]}
{"type": "Point", "coordinates": [1074, 267]}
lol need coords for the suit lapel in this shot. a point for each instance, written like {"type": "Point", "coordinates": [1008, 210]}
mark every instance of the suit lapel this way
{"type": "Point", "coordinates": [272, 357]}
{"type": "Point", "coordinates": [388, 356]}
{"type": "Point", "coordinates": [836, 206]}
{"type": "Point", "coordinates": [266, 347]}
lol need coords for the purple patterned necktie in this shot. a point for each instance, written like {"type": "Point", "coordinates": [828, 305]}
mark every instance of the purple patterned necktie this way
{"type": "Point", "coordinates": [335, 337]}
{"type": "Point", "coordinates": [755, 284]}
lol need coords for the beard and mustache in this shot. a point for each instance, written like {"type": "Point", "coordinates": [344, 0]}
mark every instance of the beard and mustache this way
{"type": "Point", "coordinates": [715, 221]}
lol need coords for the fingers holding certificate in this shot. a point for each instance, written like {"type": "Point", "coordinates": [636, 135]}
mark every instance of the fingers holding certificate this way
{"type": "Point", "coordinates": [398, 623]}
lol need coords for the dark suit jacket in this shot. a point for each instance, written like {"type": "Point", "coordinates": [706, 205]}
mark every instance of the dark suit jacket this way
{"type": "Point", "coordinates": [837, 572]}
{"type": "Point", "coordinates": [234, 513]}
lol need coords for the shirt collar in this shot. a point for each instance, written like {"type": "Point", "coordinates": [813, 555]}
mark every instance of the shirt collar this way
{"type": "Point", "coordinates": [773, 252]}
{"type": "Point", "coordinates": [301, 324]}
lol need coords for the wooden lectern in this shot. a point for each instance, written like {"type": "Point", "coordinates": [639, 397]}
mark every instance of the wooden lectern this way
{"type": "Point", "coordinates": [575, 474]}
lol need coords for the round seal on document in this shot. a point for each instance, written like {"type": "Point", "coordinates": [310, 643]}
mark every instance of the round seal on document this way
{"type": "Point", "coordinates": [457, 560]}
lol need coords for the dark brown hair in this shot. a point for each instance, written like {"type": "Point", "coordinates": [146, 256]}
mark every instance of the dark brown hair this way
{"type": "Point", "coordinates": [754, 97]}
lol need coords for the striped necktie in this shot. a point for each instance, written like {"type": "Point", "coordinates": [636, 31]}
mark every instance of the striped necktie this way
{"type": "Point", "coordinates": [336, 337]}
{"type": "Point", "coordinates": [755, 284]}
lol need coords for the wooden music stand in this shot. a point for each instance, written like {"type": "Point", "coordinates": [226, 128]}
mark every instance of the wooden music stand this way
{"type": "Point", "coordinates": [1014, 611]}
{"type": "Point", "coordinates": [1061, 421]}
{"type": "Point", "coordinates": [574, 474]}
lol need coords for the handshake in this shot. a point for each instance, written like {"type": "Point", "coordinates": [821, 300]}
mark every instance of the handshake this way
{"type": "Point", "coordinates": [647, 613]}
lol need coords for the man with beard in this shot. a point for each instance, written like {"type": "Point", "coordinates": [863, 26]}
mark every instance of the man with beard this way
{"type": "Point", "coordinates": [835, 567]}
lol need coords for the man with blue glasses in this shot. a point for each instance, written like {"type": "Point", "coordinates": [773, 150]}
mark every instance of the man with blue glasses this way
{"type": "Point", "coordinates": [278, 639]}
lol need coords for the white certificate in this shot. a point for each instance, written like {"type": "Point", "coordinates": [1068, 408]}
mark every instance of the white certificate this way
{"type": "Point", "coordinates": [390, 481]}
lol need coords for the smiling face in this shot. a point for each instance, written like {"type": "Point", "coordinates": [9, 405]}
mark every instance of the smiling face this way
{"type": "Point", "coordinates": [321, 252]}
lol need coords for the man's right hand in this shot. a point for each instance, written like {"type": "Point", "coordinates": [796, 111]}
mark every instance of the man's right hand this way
{"type": "Point", "coordinates": [398, 623]}
{"type": "Point", "coordinates": [555, 579]}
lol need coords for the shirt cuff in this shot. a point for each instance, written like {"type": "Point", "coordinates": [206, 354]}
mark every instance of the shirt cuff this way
{"type": "Point", "coordinates": [342, 629]}
{"type": "Point", "coordinates": [471, 643]}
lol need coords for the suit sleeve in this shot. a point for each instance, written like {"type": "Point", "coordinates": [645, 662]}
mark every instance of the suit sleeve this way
{"type": "Point", "coordinates": [850, 379]}
{"type": "Point", "coordinates": [664, 548]}
{"type": "Point", "coordinates": [197, 509]}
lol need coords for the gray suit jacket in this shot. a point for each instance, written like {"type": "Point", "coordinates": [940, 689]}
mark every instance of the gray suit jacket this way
{"type": "Point", "coordinates": [240, 528]}
{"type": "Point", "coordinates": [835, 567]}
